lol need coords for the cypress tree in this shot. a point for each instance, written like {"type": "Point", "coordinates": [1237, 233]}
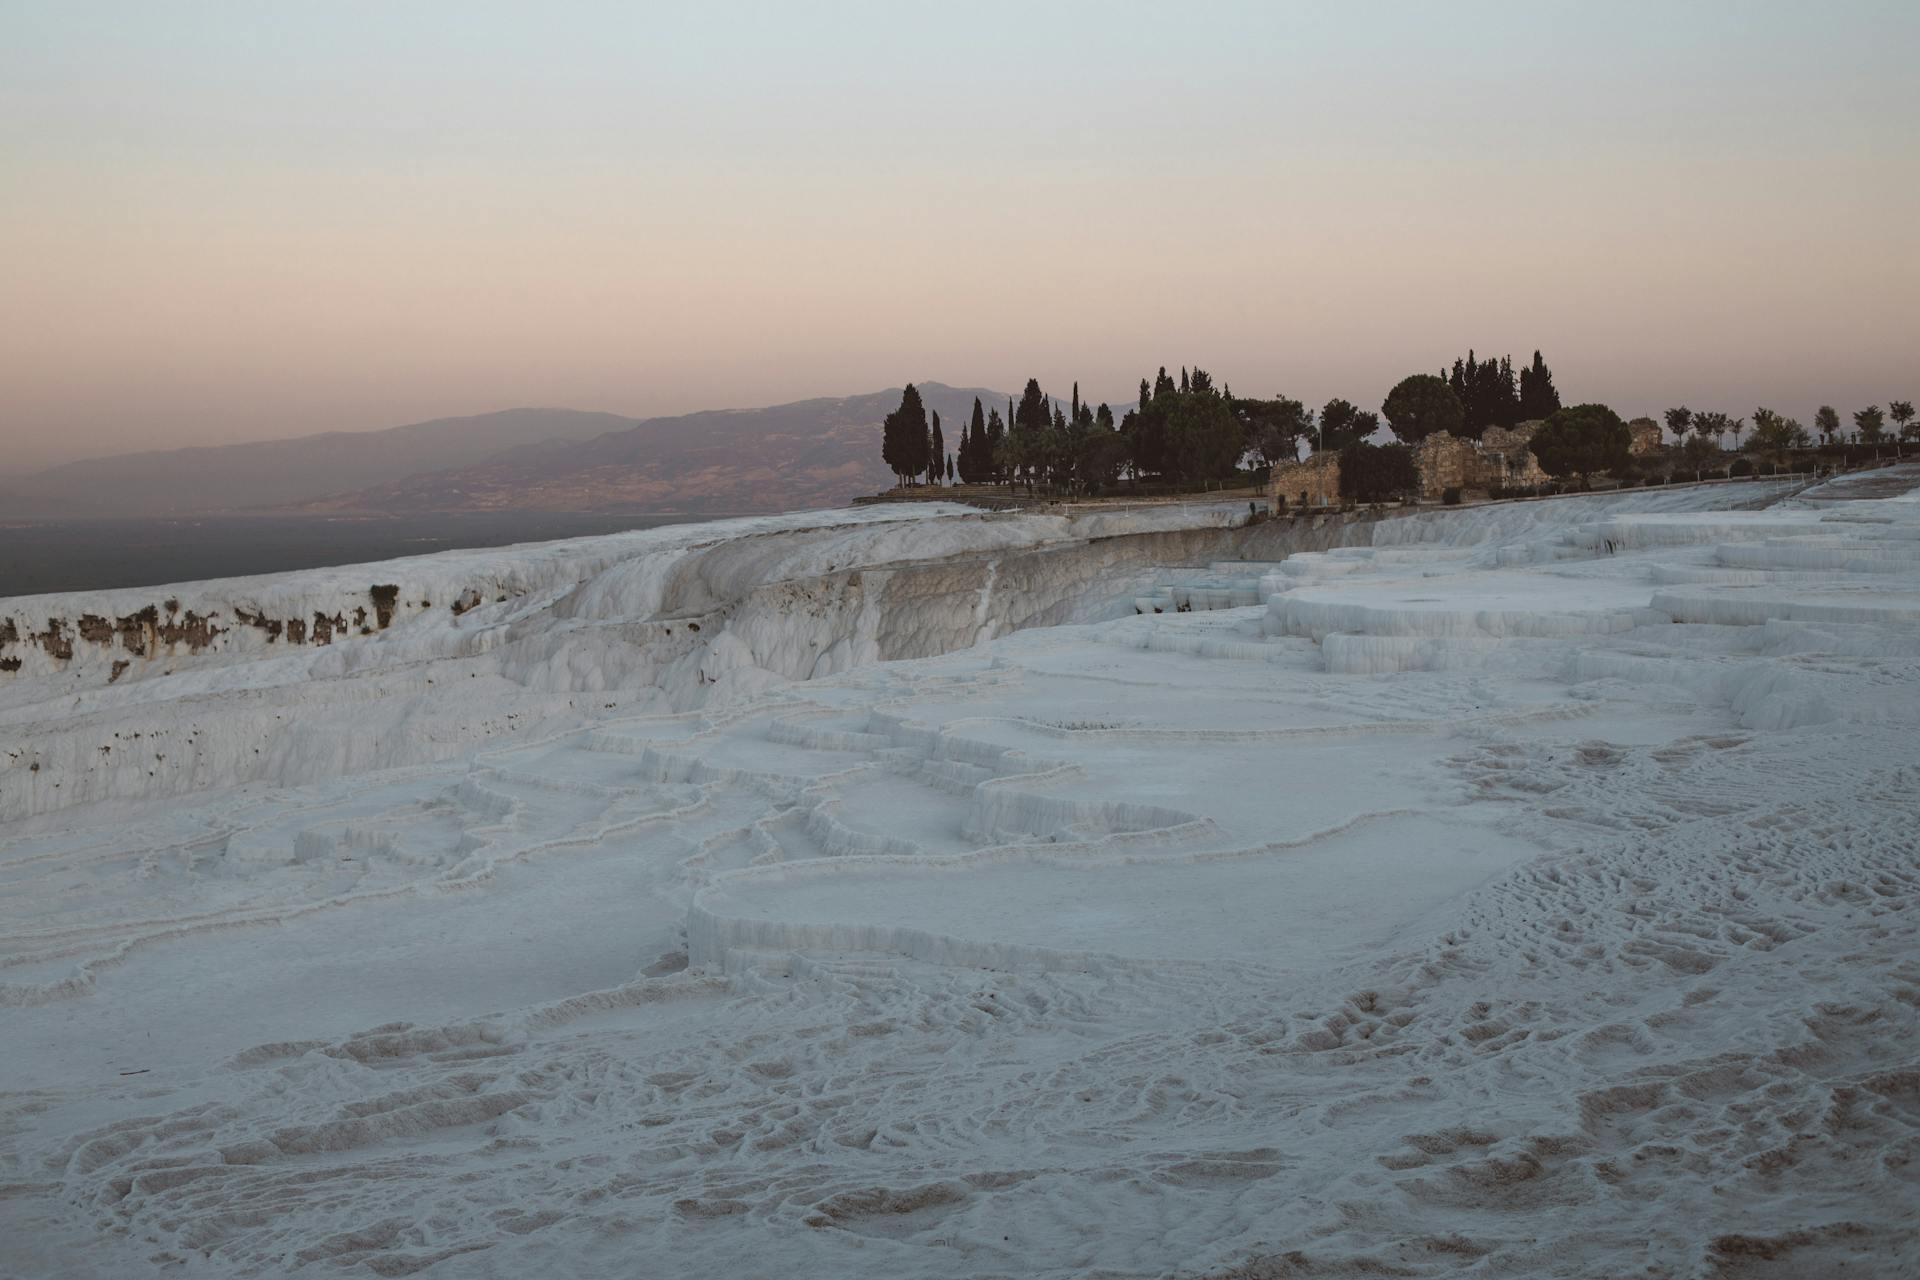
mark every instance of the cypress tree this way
{"type": "Point", "coordinates": [1538, 398]}
{"type": "Point", "coordinates": [1506, 406]}
{"type": "Point", "coordinates": [1485, 389]}
{"type": "Point", "coordinates": [1461, 381]}
{"type": "Point", "coordinates": [973, 442]}
{"type": "Point", "coordinates": [1008, 432]}
{"type": "Point", "coordinates": [996, 436]}
{"type": "Point", "coordinates": [937, 454]}
{"type": "Point", "coordinates": [1033, 414]}
{"type": "Point", "coordinates": [903, 440]}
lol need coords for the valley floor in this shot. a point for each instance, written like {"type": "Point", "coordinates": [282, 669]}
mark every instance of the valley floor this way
{"type": "Point", "coordinates": [1523, 891]}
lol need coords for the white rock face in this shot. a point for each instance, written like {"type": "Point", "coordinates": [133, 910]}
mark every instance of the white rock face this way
{"type": "Point", "coordinates": [132, 694]}
{"type": "Point", "coordinates": [1530, 889]}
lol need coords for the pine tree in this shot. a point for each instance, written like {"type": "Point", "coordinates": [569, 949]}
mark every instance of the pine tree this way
{"type": "Point", "coordinates": [1341, 424]}
{"type": "Point", "coordinates": [1420, 405]}
{"type": "Point", "coordinates": [1583, 441]}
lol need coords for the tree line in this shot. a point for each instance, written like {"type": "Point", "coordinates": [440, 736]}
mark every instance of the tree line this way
{"type": "Point", "coordinates": [1191, 431]}
{"type": "Point", "coordinates": [1775, 431]}
{"type": "Point", "coordinates": [1185, 431]}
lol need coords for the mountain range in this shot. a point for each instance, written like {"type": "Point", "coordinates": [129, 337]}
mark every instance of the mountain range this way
{"type": "Point", "coordinates": [809, 453]}
{"type": "Point", "coordinates": [271, 473]}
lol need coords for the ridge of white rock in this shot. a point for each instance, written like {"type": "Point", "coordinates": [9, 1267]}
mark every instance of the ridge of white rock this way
{"type": "Point", "coordinates": [130, 694]}
{"type": "Point", "coordinates": [1527, 889]}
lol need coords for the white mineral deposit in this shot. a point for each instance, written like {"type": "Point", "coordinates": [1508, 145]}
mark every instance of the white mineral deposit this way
{"type": "Point", "coordinates": [1528, 889]}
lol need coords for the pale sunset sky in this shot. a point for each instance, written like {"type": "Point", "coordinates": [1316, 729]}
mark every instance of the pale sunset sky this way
{"type": "Point", "coordinates": [228, 221]}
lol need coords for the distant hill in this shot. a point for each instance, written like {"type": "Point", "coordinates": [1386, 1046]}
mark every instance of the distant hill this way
{"type": "Point", "coordinates": [275, 473]}
{"type": "Point", "coordinates": [810, 453]}
{"type": "Point", "coordinates": [18, 501]}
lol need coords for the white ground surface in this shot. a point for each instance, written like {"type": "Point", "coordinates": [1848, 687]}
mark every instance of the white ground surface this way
{"type": "Point", "coordinates": [1532, 892]}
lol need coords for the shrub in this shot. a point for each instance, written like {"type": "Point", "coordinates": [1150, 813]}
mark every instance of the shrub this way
{"type": "Point", "coordinates": [1372, 473]}
{"type": "Point", "coordinates": [1450, 496]}
{"type": "Point", "coordinates": [1740, 467]}
{"type": "Point", "coordinates": [386, 596]}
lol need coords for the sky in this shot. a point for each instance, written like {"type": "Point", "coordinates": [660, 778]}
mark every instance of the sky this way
{"type": "Point", "coordinates": [230, 221]}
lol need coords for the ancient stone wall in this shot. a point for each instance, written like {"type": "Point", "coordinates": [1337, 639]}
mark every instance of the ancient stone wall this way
{"type": "Point", "coordinates": [1447, 462]}
{"type": "Point", "coordinates": [1318, 478]}
{"type": "Point", "coordinates": [1499, 458]}
{"type": "Point", "coordinates": [1513, 462]}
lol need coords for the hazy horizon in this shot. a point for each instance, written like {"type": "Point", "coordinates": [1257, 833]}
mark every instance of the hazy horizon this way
{"type": "Point", "coordinates": [228, 222]}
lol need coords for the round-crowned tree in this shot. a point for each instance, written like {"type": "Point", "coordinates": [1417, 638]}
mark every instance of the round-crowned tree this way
{"type": "Point", "coordinates": [1422, 405]}
{"type": "Point", "coordinates": [1582, 440]}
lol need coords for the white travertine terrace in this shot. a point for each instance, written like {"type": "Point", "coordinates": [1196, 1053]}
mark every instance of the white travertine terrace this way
{"type": "Point", "coordinates": [1528, 889]}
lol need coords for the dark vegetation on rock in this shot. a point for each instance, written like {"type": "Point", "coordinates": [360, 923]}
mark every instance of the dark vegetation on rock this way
{"type": "Point", "coordinates": [385, 597]}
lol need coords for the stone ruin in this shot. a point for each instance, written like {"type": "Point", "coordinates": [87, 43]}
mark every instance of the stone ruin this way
{"type": "Point", "coordinates": [1500, 458]}
{"type": "Point", "coordinates": [1312, 483]}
